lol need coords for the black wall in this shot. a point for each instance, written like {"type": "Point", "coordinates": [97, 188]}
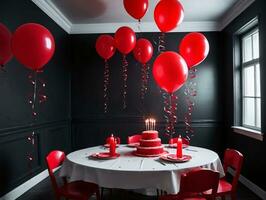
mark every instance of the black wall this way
{"type": "Point", "coordinates": [78, 93]}
{"type": "Point", "coordinates": [252, 149]}
{"type": "Point", "coordinates": [52, 127]}
{"type": "Point", "coordinates": [90, 126]}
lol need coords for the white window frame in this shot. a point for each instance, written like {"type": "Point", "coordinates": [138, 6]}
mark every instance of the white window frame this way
{"type": "Point", "coordinates": [252, 63]}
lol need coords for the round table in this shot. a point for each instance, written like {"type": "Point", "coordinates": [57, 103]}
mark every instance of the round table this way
{"type": "Point", "coordinates": [132, 172]}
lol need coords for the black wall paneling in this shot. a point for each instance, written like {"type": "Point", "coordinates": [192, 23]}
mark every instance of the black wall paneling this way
{"type": "Point", "coordinates": [52, 127]}
{"type": "Point", "coordinates": [90, 126]}
{"type": "Point", "coordinates": [253, 150]}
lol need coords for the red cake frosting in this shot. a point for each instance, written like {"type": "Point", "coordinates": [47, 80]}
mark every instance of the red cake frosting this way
{"type": "Point", "coordinates": [150, 144]}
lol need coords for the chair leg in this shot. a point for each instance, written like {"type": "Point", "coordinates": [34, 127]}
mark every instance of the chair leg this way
{"type": "Point", "coordinates": [233, 196]}
{"type": "Point", "coordinates": [98, 195]}
{"type": "Point", "coordinates": [102, 190]}
{"type": "Point", "coordinates": [158, 192]}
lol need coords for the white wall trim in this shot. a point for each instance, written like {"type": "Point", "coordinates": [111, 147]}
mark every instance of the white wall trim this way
{"type": "Point", "coordinates": [142, 27]}
{"type": "Point", "coordinates": [21, 189]}
{"type": "Point", "coordinates": [188, 26]}
{"type": "Point", "coordinates": [235, 11]}
{"type": "Point", "coordinates": [248, 132]}
{"type": "Point", "coordinates": [250, 185]}
{"type": "Point", "coordinates": [54, 13]}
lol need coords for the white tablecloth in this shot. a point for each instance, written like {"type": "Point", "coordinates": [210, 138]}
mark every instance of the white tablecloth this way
{"type": "Point", "coordinates": [131, 172]}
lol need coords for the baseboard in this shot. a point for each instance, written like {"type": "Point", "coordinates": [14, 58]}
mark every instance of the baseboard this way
{"type": "Point", "coordinates": [20, 190]}
{"type": "Point", "coordinates": [250, 185]}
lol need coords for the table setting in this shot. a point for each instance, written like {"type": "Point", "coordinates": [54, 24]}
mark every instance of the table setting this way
{"type": "Point", "coordinates": [150, 164]}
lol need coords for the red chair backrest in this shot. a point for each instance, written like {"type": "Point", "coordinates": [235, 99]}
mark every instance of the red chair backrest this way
{"type": "Point", "coordinates": [117, 140]}
{"type": "Point", "coordinates": [133, 139]}
{"type": "Point", "coordinates": [233, 159]}
{"type": "Point", "coordinates": [53, 160]}
{"type": "Point", "coordinates": [174, 140]}
{"type": "Point", "coordinates": [197, 181]}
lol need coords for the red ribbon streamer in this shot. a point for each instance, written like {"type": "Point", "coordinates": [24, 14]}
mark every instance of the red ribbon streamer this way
{"type": "Point", "coordinates": [37, 96]}
{"type": "Point", "coordinates": [190, 93]}
{"type": "Point", "coordinates": [170, 108]}
{"type": "Point", "coordinates": [105, 86]}
{"type": "Point", "coordinates": [144, 79]}
{"type": "Point", "coordinates": [124, 74]}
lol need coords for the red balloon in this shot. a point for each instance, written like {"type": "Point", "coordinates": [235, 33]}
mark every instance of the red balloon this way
{"type": "Point", "coordinates": [136, 8]}
{"type": "Point", "coordinates": [170, 71]}
{"type": "Point", "coordinates": [125, 39]}
{"type": "Point", "coordinates": [105, 46]}
{"type": "Point", "coordinates": [33, 45]}
{"type": "Point", "coordinates": [5, 45]}
{"type": "Point", "coordinates": [168, 14]}
{"type": "Point", "coordinates": [194, 48]}
{"type": "Point", "coordinates": [143, 51]}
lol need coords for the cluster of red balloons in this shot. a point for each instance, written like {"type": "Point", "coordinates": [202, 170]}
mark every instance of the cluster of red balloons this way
{"type": "Point", "coordinates": [125, 41]}
{"type": "Point", "coordinates": [32, 45]}
{"type": "Point", "coordinates": [170, 69]}
{"type": "Point", "coordinates": [168, 14]}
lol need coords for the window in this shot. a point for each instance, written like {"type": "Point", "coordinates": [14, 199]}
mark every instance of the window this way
{"type": "Point", "coordinates": [250, 75]}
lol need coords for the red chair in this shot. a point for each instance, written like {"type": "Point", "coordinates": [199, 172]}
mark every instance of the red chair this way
{"type": "Point", "coordinates": [117, 139]}
{"type": "Point", "coordinates": [194, 183]}
{"type": "Point", "coordinates": [174, 140]}
{"type": "Point", "coordinates": [78, 190]}
{"type": "Point", "coordinates": [233, 159]}
{"type": "Point", "coordinates": [133, 139]}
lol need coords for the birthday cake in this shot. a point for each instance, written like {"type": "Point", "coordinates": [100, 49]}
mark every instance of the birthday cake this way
{"type": "Point", "coordinates": [150, 144]}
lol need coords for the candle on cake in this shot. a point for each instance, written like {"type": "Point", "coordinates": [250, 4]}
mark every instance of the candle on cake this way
{"type": "Point", "coordinates": [150, 124]}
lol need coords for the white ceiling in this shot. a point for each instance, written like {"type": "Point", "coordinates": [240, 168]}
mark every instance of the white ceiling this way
{"type": "Point", "coordinates": [102, 16]}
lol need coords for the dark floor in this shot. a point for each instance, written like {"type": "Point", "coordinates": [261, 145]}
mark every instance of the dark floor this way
{"type": "Point", "coordinates": [43, 191]}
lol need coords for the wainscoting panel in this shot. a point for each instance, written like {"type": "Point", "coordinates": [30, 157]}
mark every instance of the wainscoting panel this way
{"type": "Point", "coordinates": [93, 130]}
{"type": "Point", "coordinates": [15, 147]}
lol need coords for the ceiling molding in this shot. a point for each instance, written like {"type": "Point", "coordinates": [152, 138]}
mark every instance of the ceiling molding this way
{"type": "Point", "coordinates": [187, 26]}
{"type": "Point", "coordinates": [55, 14]}
{"type": "Point", "coordinates": [142, 27]}
{"type": "Point", "coordinates": [235, 11]}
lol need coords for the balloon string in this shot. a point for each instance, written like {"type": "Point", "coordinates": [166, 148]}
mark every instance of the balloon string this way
{"type": "Point", "coordinates": [105, 86]}
{"type": "Point", "coordinates": [144, 80]}
{"type": "Point", "coordinates": [124, 74]}
{"type": "Point", "coordinates": [161, 45]}
{"type": "Point", "coordinates": [37, 95]}
{"type": "Point", "coordinates": [170, 108]}
{"type": "Point", "coordinates": [139, 27]}
{"type": "Point", "coordinates": [190, 93]}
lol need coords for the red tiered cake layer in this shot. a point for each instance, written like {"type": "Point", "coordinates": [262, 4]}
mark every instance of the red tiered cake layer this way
{"type": "Point", "coordinates": [150, 151]}
{"type": "Point", "coordinates": [149, 135]}
{"type": "Point", "coordinates": [150, 143]}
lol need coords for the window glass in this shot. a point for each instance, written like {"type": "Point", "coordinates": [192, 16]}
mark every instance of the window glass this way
{"type": "Point", "coordinates": [249, 82]}
{"type": "Point", "coordinates": [249, 112]}
{"type": "Point", "coordinates": [247, 45]}
{"type": "Point", "coordinates": [258, 112]}
{"type": "Point", "coordinates": [255, 45]}
{"type": "Point", "coordinates": [258, 80]}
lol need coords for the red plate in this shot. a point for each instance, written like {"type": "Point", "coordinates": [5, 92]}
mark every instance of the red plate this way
{"type": "Point", "coordinates": [173, 158]}
{"type": "Point", "coordinates": [142, 155]}
{"type": "Point", "coordinates": [174, 145]}
{"type": "Point", "coordinates": [133, 145]}
{"type": "Point", "coordinates": [108, 145]}
{"type": "Point", "coordinates": [105, 155]}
